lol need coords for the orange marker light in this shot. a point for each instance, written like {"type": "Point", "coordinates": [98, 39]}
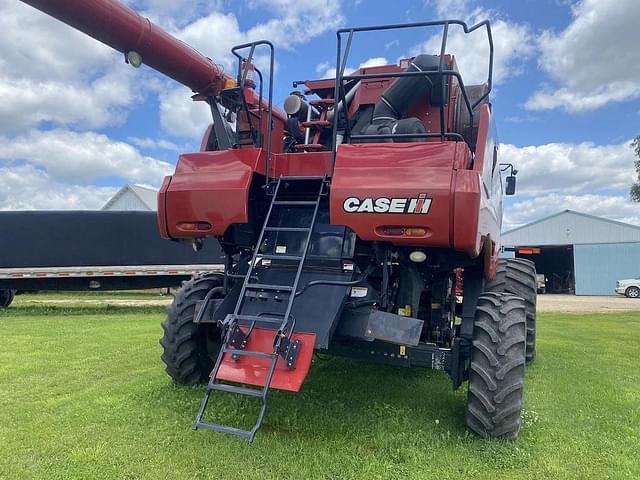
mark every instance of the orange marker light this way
{"type": "Point", "coordinates": [193, 226]}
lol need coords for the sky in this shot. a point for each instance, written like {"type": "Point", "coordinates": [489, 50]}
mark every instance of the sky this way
{"type": "Point", "coordinates": [77, 123]}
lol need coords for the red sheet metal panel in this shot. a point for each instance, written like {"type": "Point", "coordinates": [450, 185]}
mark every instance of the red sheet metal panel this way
{"type": "Point", "coordinates": [253, 371]}
{"type": "Point", "coordinates": [208, 188]}
{"type": "Point", "coordinates": [466, 234]}
{"type": "Point", "coordinates": [380, 186]}
{"type": "Point", "coordinates": [311, 164]}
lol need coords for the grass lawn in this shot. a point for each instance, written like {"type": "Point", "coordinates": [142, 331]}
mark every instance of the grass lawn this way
{"type": "Point", "coordinates": [83, 395]}
{"type": "Point", "coordinates": [82, 296]}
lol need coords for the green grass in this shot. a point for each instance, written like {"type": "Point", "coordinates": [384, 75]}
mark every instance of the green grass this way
{"type": "Point", "coordinates": [153, 294]}
{"type": "Point", "coordinates": [83, 395]}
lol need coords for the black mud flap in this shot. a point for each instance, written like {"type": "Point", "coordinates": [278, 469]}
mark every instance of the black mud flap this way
{"type": "Point", "coordinates": [372, 324]}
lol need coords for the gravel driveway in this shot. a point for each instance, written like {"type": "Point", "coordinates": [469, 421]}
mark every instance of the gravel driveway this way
{"type": "Point", "coordinates": [574, 303]}
{"type": "Point", "coordinates": [546, 303]}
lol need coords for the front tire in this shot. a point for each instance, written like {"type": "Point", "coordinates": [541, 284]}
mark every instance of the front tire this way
{"type": "Point", "coordinates": [518, 277]}
{"type": "Point", "coordinates": [496, 376]}
{"type": "Point", "coordinates": [189, 349]}
{"type": "Point", "coordinates": [632, 292]}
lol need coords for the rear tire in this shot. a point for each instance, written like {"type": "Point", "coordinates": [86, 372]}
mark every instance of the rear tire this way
{"type": "Point", "coordinates": [6, 297]}
{"type": "Point", "coordinates": [518, 277]}
{"type": "Point", "coordinates": [496, 376]}
{"type": "Point", "coordinates": [632, 292]}
{"type": "Point", "coordinates": [189, 348]}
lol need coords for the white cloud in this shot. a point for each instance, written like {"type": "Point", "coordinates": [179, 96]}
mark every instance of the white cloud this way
{"type": "Point", "coordinates": [170, 14]}
{"type": "Point", "coordinates": [325, 70]}
{"type": "Point", "coordinates": [27, 102]}
{"type": "Point", "coordinates": [513, 44]}
{"type": "Point", "coordinates": [594, 61]}
{"type": "Point", "coordinates": [588, 178]}
{"type": "Point", "coordinates": [27, 188]}
{"type": "Point", "coordinates": [37, 46]}
{"type": "Point", "coordinates": [155, 144]}
{"type": "Point", "coordinates": [214, 35]}
{"type": "Point", "coordinates": [291, 23]}
{"type": "Point", "coordinates": [296, 22]}
{"type": "Point", "coordinates": [374, 62]}
{"type": "Point", "coordinates": [76, 158]}
{"type": "Point", "coordinates": [450, 8]}
{"type": "Point", "coordinates": [52, 73]}
{"type": "Point", "coordinates": [614, 207]}
{"type": "Point", "coordinates": [181, 116]}
{"type": "Point", "coordinates": [571, 168]}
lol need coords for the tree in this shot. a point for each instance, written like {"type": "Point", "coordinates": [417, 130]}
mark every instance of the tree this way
{"type": "Point", "coordinates": [635, 187]}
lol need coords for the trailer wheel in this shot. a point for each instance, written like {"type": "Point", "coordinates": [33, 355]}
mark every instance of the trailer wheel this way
{"type": "Point", "coordinates": [189, 348]}
{"type": "Point", "coordinates": [518, 276]}
{"type": "Point", "coordinates": [496, 376]}
{"type": "Point", "coordinates": [6, 297]}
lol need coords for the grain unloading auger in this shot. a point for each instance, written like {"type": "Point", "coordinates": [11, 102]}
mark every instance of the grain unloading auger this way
{"type": "Point", "coordinates": [364, 222]}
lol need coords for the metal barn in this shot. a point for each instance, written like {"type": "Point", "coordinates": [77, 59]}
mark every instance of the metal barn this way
{"type": "Point", "coordinates": [578, 253]}
{"type": "Point", "coordinates": [133, 198]}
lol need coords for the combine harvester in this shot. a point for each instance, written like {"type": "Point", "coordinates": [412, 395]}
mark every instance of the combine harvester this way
{"type": "Point", "coordinates": [363, 221]}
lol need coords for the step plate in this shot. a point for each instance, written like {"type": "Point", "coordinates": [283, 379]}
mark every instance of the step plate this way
{"type": "Point", "coordinates": [253, 371]}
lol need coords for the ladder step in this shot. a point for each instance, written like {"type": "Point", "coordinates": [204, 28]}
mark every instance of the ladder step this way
{"type": "Point", "coordinates": [282, 257]}
{"type": "Point", "coordinates": [302, 177]}
{"type": "Point", "coordinates": [246, 434]}
{"type": "Point", "coordinates": [322, 101]}
{"type": "Point", "coordinates": [316, 123]}
{"type": "Point", "coordinates": [310, 146]}
{"type": "Point", "coordinates": [257, 318]}
{"type": "Point", "coordinates": [265, 286]}
{"type": "Point", "coordinates": [248, 353]}
{"type": "Point", "coordinates": [294, 202]}
{"type": "Point", "coordinates": [223, 387]}
{"type": "Point", "coordinates": [286, 229]}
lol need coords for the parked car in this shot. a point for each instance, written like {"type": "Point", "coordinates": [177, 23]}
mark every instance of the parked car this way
{"type": "Point", "coordinates": [629, 287]}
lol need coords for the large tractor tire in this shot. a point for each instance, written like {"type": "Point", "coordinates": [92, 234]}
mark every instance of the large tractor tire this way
{"type": "Point", "coordinates": [190, 348]}
{"type": "Point", "coordinates": [518, 277]}
{"type": "Point", "coordinates": [496, 377]}
{"type": "Point", "coordinates": [6, 298]}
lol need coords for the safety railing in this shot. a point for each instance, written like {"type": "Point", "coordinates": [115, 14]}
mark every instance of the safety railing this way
{"type": "Point", "coordinates": [441, 73]}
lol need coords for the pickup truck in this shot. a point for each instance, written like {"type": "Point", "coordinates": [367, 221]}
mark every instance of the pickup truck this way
{"type": "Point", "coordinates": [629, 287]}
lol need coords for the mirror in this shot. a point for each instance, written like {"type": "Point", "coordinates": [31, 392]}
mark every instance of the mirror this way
{"type": "Point", "coordinates": [510, 187]}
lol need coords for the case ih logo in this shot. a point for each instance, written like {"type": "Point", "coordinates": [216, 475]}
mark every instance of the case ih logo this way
{"type": "Point", "coordinates": [419, 205]}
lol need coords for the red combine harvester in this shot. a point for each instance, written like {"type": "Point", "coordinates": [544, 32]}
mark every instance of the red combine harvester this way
{"type": "Point", "coordinates": [363, 221]}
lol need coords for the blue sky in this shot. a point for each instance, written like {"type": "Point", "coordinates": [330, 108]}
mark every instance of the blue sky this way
{"type": "Point", "coordinates": [76, 123]}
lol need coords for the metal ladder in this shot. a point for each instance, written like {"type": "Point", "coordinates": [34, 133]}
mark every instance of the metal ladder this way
{"type": "Point", "coordinates": [235, 339]}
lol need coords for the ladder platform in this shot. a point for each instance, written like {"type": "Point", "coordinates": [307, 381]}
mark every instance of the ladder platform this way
{"type": "Point", "coordinates": [302, 178]}
{"type": "Point", "coordinates": [294, 203]}
{"type": "Point", "coordinates": [246, 434]}
{"type": "Point", "coordinates": [255, 318]}
{"type": "Point", "coordinates": [265, 286]}
{"type": "Point", "coordinates": [251, 370]}
{"type": "Point", "coordinates": [322, 101]}
{"type": "Point", "coordinates": [286, 229]}
{"type": "Point", "coordinates": [310, 146]}
{"type": "Point", "coordinates": [277, 256]}
{"type": "Point", "coordinates": [247, 353]}
{"type": "Point", "coordinates": [316, 123]}
{"type": "Point", "coordinates": [250, 392]}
